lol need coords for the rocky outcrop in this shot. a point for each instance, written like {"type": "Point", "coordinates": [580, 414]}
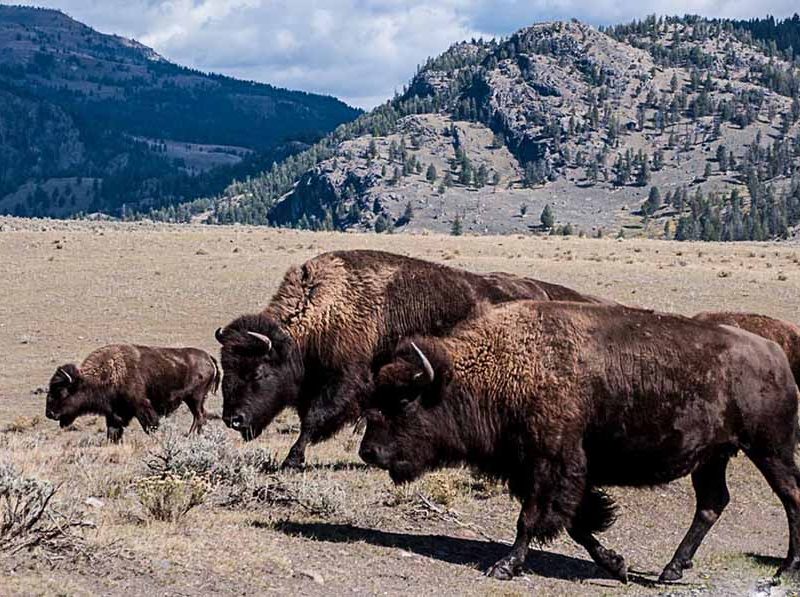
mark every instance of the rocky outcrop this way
{"type": "Point", "coordinates": [561, 114]}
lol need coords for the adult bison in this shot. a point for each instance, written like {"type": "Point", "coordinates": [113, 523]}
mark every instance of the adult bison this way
{"type": "Point", "coordinates": [123, 381]}
{"type": "Point", "coordinates": [331, 320]}
{"type": "Point", "coordinates": [557, 399]}
{"type": "Point", "coordinates": [784, 333]}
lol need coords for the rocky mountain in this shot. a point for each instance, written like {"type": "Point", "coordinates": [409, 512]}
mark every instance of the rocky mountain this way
{"type": "Point", "coordinates": [91, 122]}
{"type": "Point", "coordinates": [677, 127]}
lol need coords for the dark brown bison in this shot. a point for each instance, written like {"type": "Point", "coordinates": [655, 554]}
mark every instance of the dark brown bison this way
{"type": "Point", "coordinates": [784, 333]}
{"type": "Point", "coordinates": [123, 381]}
{"type": "Point", "coordinates": [557, 399]}
{"type": "Point", "coordinates": [332, 319]}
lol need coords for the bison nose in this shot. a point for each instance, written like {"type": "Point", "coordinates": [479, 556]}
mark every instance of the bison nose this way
{"type": "Point", "coordinates": [235, 422]}
{"type": "Point", "coordinates": [50, 414]}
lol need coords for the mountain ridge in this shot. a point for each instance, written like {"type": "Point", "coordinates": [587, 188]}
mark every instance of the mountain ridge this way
{"type": "Point", "coordinates": [77, 103]}
{"type": "Point", "coordinates": [586, 121]}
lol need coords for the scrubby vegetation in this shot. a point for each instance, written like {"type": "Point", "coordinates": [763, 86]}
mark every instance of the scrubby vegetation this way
{"type": "Point", "coordinates": [29, 518]}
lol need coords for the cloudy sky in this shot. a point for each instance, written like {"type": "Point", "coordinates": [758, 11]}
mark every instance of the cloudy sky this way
{"type": "Point", "coordinates": [357, 50]}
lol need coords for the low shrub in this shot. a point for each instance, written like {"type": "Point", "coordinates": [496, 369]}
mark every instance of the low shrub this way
{"type": "Point", "coordinates": [169, 497]}
{"type": "Point", "coordinates": [28, 518]}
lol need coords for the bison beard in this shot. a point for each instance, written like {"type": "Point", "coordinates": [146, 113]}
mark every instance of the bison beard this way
{"type": "Point", "coordinates": [332, 322]}
{"type": "Point", "coordinates": [557, 399]}
{"type": "Point", "coordinates": [122, 382]}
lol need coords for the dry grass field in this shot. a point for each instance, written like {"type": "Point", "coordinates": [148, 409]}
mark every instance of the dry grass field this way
{"type": "Point", "coordinates": [337, 527]}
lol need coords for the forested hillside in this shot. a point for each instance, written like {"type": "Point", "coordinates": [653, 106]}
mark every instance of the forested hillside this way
{"type": "Point", "coordinates": [137, 130]}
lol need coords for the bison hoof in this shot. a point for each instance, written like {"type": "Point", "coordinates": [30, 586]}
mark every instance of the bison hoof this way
{"type": "Point", "coordinates": [615, 565]}
{"type": "Point", "coordinates": [293, 462]}
{"type": "Point", "coordinates": [673, 571]}
{"type": "Point", "coordinates": [789, 568]}
{"type": "Point", "coordinates": [505, 569]}
{"type": "Point", "coordinates": [114, 435]}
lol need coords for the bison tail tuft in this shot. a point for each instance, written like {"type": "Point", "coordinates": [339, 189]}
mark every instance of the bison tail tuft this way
{"type": "Point", "coordinates": [597, 512]}
{"type": "Point", "coordinates": [217, 374]}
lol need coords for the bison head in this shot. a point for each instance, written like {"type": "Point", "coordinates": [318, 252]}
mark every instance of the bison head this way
{"type": "Point", "coordinates": [407, 416]}
{"type": "Point", "coordinates": [64, 403]}
{"type": "Point", "coordinates": [262, 371]}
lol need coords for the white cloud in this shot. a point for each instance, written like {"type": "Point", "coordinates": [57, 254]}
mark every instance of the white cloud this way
{"type": "Point", "coordinates": [358, 50]}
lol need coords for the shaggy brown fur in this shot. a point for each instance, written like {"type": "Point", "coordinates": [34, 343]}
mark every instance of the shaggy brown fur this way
{"type": "Point", "coordinates": [123, 381]}
{"type": "Point", "coordinates": [784, 333]}
{"type": "Point", "coordinates": [560, 398]}
{"type": "Point", "coordinates": [331, 321]}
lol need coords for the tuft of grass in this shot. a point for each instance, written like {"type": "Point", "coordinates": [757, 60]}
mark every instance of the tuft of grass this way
{"type": "Point", "coordinates": [440, 488]}
{"type": "Point", "coordinates": [170, 497]}
{"type": "Point", "coordinates": [22, 424]}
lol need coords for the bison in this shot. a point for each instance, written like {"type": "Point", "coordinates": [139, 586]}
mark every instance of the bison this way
{"type": "Point", "coordinates": [784, 333]}
{"type": "Point", "coordinates": [559, 399]}
{"type": "Point", "coordinates": [123, 381]}
{"type": "Point", "coordinates": [332, 319]}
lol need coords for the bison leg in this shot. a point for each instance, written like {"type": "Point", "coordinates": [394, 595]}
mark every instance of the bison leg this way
{"type": "Point", "coordinates": [297, 453]}
{"type": "Point", "coordinates": [596, 514]}
{"type": "Point", "coordinates": [553, 498]}
{"type": "Point", "coordinates": [711, 494]}
{"type": "Point", "coordinates": [338, 404]}
{"type": "Point", "coordinates": [783, 477]}
{"type": "Point", "coordinates": [511, 565]}
{"type": "Point", "coordinates": [114, 429]}
{"type": "Point", "coordinates": [195, 402]}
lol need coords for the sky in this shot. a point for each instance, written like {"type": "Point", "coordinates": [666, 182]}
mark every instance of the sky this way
{"type": "Point", "coordinates": [360, 51]}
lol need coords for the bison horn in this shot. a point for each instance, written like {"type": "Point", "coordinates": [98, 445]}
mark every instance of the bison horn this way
{"type": "Point", "coordinates": [263, 338]}
{"type": "Point", "coordinates": [426, 364]}
{"type": "Point", "coordinates": [218, 335]}
{"type": "Point", "coordinates": [65, 374]}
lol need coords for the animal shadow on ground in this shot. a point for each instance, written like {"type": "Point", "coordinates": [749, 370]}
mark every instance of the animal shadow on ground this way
{"type": "Point", "coordinates": [332, 466]}
{"type": "Point", "coordinates": [762, 560]}
{"type": "Point", "coordinates": [454, 550]}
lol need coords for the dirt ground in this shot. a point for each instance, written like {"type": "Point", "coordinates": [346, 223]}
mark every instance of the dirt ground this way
{"type": "Point", "coordinates": [337, 527]}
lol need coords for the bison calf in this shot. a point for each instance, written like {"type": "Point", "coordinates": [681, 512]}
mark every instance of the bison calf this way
{"type": "Point", "coordinates": [123, 381]}
{"type": "Point", "coordinates": [557, 399]}
{"type": "Point", "coordinates": [784, 333]}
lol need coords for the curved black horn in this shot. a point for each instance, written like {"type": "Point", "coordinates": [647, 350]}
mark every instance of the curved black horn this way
{"type": "Point", "coordinates": [65, 374]}
{"type": "Point", "coordinates": [218, 335]}
{"type": "Point", "coordinates": [263, 338]}
{"type": "Point", "coordinates": [426, 364]}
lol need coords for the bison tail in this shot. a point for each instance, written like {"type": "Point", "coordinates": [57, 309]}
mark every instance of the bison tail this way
{"type": "Point", "coordinates": [596, 513]}
{"type": "Point", "coordinates": [797, 428]}
{"type": "Point", "coordinates": [217, 374]}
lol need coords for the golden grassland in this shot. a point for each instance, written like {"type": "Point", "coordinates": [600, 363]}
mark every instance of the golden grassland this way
{"type": "Point", "coordinates": [337, 527]}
